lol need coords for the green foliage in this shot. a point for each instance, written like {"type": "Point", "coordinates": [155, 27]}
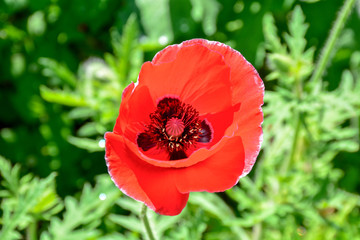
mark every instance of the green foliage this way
{"type": "Point", "coordinates": [320, 125]}
{"type": "Point", "coordinates": [96, 89]}
{"type": "Point", "coordinates": [28, 201]}
{"type": "Point", "coordinates": [289, 62]}
{"type": "Point", "coordinates": [82, 217]}
{"type": "Point", "coordinates": [163, 31]}
{"type": "Point", "coordinates": [206, 11]}
{"type": "Point", "coordinates": [64, 67]}
{"type": "Point", "coordinates": [25, 200]}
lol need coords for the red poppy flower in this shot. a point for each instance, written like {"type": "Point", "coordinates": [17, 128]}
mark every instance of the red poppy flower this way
{"type": "Point", "coordinates": [192, 122]}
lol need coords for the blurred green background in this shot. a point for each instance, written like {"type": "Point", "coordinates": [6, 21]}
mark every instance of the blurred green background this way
{"type": "Point", "coordinates": [65, 63]}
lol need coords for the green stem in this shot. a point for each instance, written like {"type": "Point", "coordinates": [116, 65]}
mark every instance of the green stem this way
{"type": "Point", "coordinates": [31, 231]}
{"type": "Point", "coordinates": [289, 160]}
{"type": "Point", "coordinates": [146, 223]}
{"type": "Point", "coordinates": [325, 55]}
{"type": "Point", "coordinates": [256, 231]}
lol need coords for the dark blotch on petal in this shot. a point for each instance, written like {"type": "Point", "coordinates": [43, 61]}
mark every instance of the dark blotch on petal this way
{"type": "Point", "coordinates": [176, 155]}
{"type": "Point", "coordinates": [205, 133]}
{"type": "Point", "coordinates": [145, 141]}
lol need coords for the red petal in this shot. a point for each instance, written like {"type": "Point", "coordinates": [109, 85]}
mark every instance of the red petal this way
{"type": "Point", "coordinates": [219, 172]}
{"type": "Point", "coordinates": [135, 109]}
{"type": "Point", "coordinates": [197, 75]}
{"type": "Point", "coordinates": [220, 122]}
{"type": "Point", "coordinates": [168, 54]}
{"type": "Point", "coordinates": [124, 109]}
{"type": "Point", "coordinates": [158, 160]}
{"type": "Point", "coordinates": [146, 183]}
{"type": "Point", "coordinates": [248, 89]}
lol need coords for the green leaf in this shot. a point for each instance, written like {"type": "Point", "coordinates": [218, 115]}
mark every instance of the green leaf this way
{"type": "Point", "coordinates": [91, 129]}
{"type": "Point", "coordinates": [19, 218]}
{"type": "Point", "coordinates": [165, 223]}
{"type": "Point", "coordinates": [62, 97]}
{"type": "Point", "coordinates": [18, 64]}
{"type": "Point", "coordinates": [347, 82]}
{"type": "Point", "coordinates": [86, 143]}
{"type": "Point", "coordinates": [213, 204]}
{"type": "Point", "coordinates": [297, 28]}
{"type": "Point", "coordinates": [13, 33]}
{"type": "Point", "coordinates": [206, 11]}
{"type": "Point", "coordinates": [129, 204]}
{"type": "Point", "coordinates": [81, 113]}
{"type": "Point", "coordinates": [272, 41]}
{"type": "Point", "coordinates": [129, 222]}
{"type": "Point", "coordinates": [128, 53]}
{"type": "Point", "coordinates": [48, 205]}
{"type": "Point", "coordinates": [294, 64]}
{"type": "Point", "coordinates": [36, 24]}
{"type": "Point", "coordinates": [282, 62]}
{"type": "Point", "coordinates": [54, 69]}
{"type": "Point", "coordinates": [156, 13]}
{"type": "Point", "coordinates": [82, 217]}
{"type": "Point", "coordinates": [216, 206]}
{"type": "Point", "coordinates": [10, 175]}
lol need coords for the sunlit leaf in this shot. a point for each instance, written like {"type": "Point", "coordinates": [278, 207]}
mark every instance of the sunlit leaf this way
{"type": "Point", "coordinates": [62, 97]}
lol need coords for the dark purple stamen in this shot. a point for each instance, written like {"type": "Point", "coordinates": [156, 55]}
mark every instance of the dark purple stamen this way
{"type": "Point", "coordinates": [174, 127]}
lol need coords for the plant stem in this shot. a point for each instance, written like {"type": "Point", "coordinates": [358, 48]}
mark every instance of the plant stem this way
{"type": "Point", "coordinates": [289, 160]}
{"type": "Point", "coordinates": [325, 55]}
{"type": "Point", "coordinates": [31, 231]}
{"type": "Point", "coordinates": [146, 223]}
{"type": "Point", "coordinates": [256, 231]}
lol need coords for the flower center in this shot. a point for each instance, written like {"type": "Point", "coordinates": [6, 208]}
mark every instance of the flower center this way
{"type": "Point", "coordinates": [174, 127]}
